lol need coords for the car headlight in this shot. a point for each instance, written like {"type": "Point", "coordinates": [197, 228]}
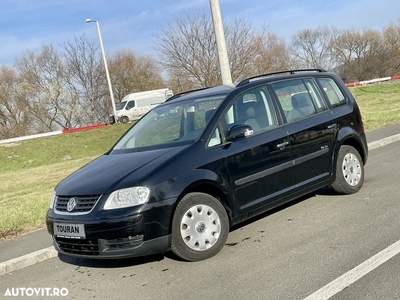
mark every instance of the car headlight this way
{"type": "Point", "coordinates": [52, 200]}
{"type": "Point", "coordinates": [127, 197]}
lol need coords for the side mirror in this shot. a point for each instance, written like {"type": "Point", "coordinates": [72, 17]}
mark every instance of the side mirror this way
{"type": "Point", "coordinates": [239, 131]}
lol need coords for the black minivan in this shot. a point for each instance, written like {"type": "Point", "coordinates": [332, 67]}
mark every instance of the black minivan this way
{"type": "Point", "coordinates": [206, 160]}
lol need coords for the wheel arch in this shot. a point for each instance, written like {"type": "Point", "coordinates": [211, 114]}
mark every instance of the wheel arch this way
{"type": "Point", "coordinates": [210, 188]}
{"type": "Point", "coordinates": [347, 136]}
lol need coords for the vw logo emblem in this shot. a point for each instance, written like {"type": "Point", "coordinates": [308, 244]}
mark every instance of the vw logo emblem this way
{"type": "Point", "coordinates": [71, 204]}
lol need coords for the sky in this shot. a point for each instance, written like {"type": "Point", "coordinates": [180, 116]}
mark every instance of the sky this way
{"type": "Point", "coordinates": [28, 25]}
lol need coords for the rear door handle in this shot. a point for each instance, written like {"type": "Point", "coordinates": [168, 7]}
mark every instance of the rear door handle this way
{"type": "Point", "coordinates": [332, 127]}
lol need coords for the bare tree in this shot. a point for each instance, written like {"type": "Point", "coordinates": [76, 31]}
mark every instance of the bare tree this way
{"type": "Point", "coordinates": [188, 50]}
{"type": "Point", "coordinates": [355, 52]}
{"type": "Point", "coordinates": [388, 58]}
{"type": "Point", "coordinates": [132, 73]}
{"type": "Point", "coordinates": [14, 111]}
{"type": "Point", "coordinates": [87, 80]}
{"type": "Point", "coordinates": [253, 53]}
{"type": "Point", "coordinates": [310, 48]}
{"type": "Point", "coordinates": [273, 55]}
{"type": "Point", "coordinates": [188, 47]}
{"type": "Point", "coordinates": [45, 80]}
{"type": "Point", "coordinates": [178, 82]}
{"type": "Point", "coordinates": [49, 90]}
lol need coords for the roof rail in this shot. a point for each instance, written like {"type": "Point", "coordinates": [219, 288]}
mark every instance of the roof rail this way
{"type": "Point", "coordinates": [184, 93]}
{"type": "Point", "coordinates": [247, 80]}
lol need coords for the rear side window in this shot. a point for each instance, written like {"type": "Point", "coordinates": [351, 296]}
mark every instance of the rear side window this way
{"type": "Point", "coordinates": [299, 98]}
{"type": "Point", "coordinates": [333, 92]}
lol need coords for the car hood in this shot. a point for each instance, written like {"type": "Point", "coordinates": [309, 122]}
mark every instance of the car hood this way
{"type": "Point", "coordinates": [112, 172]}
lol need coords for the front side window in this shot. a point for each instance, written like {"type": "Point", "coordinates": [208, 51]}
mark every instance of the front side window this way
{"type": "Point", "coordinates": [253, 108]}
{"type": "Point", "coordinates": [121, 105]}
{"type": "Point", "coordinates": [131, 104]}
{"type": "Point", "coordinates": [171, 124]}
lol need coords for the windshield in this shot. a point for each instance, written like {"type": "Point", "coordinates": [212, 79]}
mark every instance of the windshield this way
{"type": "Point", "coordinates": [171, 124]}
{"type": "Point", "coordinates": [121, 105]}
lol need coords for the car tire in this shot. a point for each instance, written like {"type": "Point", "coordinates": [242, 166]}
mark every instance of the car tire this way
{"type": "Point", "coordinates": [124, 120]}
{"type": "Point", "coordinates": [200, 227]}
{"type": "Point", "coordinates": [349, 171]}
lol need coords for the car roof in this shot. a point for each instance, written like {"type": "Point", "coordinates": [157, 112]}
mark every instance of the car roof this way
{"type": "Point", "coordinates": [224, 90]}
{"type": "Point", "coordinates": [212, 91]}
{"type": "Point", "coordinates": [281, 75]}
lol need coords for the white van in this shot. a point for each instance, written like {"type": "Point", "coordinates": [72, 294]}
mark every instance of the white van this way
{"type": "Point", "coordinates": [134, 106]}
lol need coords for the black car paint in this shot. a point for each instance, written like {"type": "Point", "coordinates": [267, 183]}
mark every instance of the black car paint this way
{"type": "Point", "coordinates": [115, 171]}
{"type": "Point", "coordinates": [248, 175]}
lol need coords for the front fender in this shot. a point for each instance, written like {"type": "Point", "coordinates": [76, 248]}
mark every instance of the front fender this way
{"type": "Point", "coordinates": [186, 182]}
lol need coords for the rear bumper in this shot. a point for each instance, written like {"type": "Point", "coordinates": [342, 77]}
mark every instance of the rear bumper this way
{"type": "Point", "coordinates": [364, 144]}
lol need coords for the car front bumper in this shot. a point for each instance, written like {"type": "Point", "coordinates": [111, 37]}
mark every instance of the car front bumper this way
{"type": "Point", "coordinates": [123, 233]}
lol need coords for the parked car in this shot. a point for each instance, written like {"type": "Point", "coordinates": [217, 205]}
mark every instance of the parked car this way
{"type": "Point", "coordinates": [206, 160]}
{"type": "Point", "coordinates": [135, 105]}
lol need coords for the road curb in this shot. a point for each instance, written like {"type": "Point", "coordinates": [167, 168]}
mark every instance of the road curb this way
{"type": "Point", "coordinates": [27, 260]}
{"type": "Point", "coordinates": [384, 141]}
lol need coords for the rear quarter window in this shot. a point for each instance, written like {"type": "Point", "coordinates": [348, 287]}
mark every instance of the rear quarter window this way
{"type": "Point", "coordinates": [333, 92]}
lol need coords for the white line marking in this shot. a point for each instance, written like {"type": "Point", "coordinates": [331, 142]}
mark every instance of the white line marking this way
{"type": "Point", "coordinates": [353, 275]}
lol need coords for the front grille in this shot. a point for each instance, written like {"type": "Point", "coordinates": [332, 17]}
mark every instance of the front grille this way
{"type": "Point", "coordinates": [75, 246]}
{"type": "Point", "coordinates": [83, 204]}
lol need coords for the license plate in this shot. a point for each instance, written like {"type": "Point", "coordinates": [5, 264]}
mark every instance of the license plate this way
{"type": "Point", "coordinates": [71, 231]}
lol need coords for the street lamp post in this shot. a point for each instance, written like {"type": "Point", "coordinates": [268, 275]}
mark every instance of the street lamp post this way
{"type": "Point", "coordinates": [221, 43]}
{"type": "Point", "coordinates": [106, 67]}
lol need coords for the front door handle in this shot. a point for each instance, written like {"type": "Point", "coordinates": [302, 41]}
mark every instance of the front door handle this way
{"type": "Point", "coordinates": [282, 146]}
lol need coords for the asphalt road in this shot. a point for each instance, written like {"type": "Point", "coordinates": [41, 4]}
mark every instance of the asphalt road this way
{"type": "Point", "coordinates": [289, 253]}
